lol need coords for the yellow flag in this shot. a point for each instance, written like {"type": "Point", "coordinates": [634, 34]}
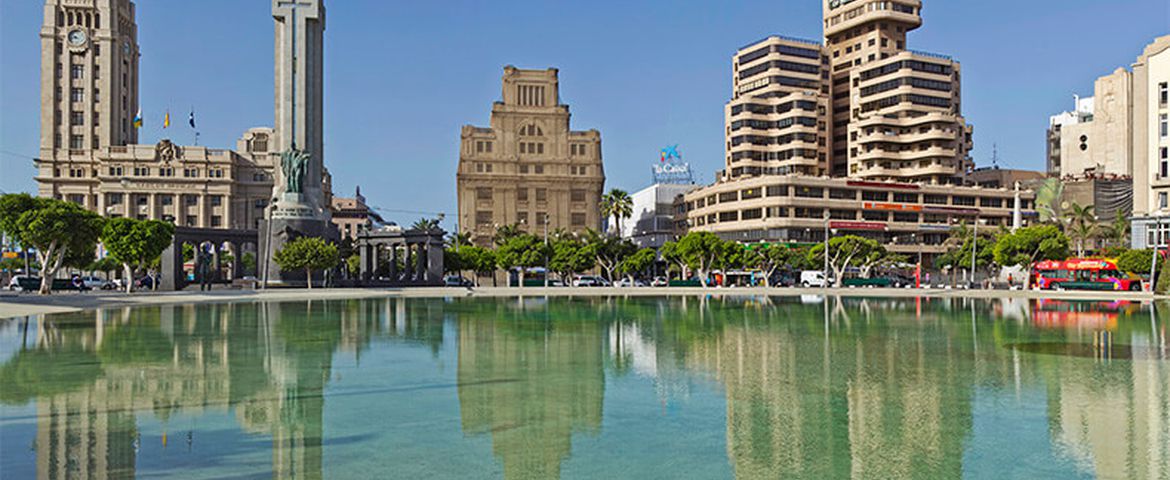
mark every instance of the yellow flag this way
{"type": "Point", "coordinates": [167, 120]}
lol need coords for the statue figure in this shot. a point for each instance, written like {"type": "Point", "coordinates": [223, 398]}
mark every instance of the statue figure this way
{"type": "Point", "coordinates": [294, 164]}
{"type": "Point", "coordinates": [203, 268]}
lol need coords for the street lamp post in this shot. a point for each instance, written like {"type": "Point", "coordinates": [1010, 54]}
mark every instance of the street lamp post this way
{"type": "Point", "coordinates": [268, 245]}
{"type": "Point", "coordinates": [828, 215]}
{"type": "Point", "coordinates": [1154, 260]}
{"type": "Point", "coordinates": [546, 250]}
{"type": "Point", "coordinates": [974, 248]}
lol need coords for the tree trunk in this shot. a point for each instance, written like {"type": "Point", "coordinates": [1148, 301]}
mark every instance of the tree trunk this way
{"type": "Point", "coordinates": [520, 277]}
{"type": "Point", "coordinates": [703, 278]}
{"type": "Point", "coordinates": [129, 275]}
{"type": "Point", "coordinates": [49, 267]}
{"type": "Point", "coordinates": [309, 278]}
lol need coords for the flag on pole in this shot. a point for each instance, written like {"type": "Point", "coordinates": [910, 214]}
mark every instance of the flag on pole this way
{"type": "Point", "coordinates": [138, 118]}
{"type": "Point", "coordinates": [167, 119]}
{"type": "Point", "coordinates": [191, 119]}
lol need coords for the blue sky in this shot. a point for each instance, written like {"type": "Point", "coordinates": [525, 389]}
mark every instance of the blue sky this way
{"type": "Point", "coordinates": [403, 76]}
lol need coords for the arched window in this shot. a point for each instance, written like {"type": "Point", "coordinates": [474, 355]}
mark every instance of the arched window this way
{"type": "Point", "coordinates": [531, 130]}
{"type": "Point", "coordinates": [60, 18]}
{"type": "Point", "coordinates": [71, 18]}
{"type": "Point", "coordinates": [97, 20]}
{"type": "Point", "coordinates": [88, 20]}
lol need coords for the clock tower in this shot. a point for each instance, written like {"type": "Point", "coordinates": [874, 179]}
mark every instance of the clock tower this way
{"type": "Point", "coordinates": [89, 77]}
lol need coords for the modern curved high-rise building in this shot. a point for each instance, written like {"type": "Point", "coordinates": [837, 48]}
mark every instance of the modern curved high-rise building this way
{"type": "Point", "coordinates": [858, 105]}
{"type": "Point", "coordinates": [854, 132]}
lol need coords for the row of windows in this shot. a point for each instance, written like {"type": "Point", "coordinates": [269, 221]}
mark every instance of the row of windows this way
{"type": "Point", "coordinates": [772, 125]}
{"type": "Point", "coordinates": [780, 80]}
{"type": "Point", "coordinates": [849, 194]}
{"type": "Point", "coordinates": [782, 65]}
{"type": "Point", "coordinates": [911, 81]}
{"type": "Point", "coordinates": [835, 214]}
{"type": "Point", "coordinates": [807, 153]}
{"type": "Point", "coordinates": [916, 99]}
{"type": "Point", "coordinates": [165, 200]}
{"type": "Point", "coordinates": [532, 148]}
{"type": "Point", "coordinates": [777, 140]}
{"type": "Point", "coordinates": [541, 194]}
{"type": "Point", "coordinates": [117, 171]}
{"type": "Point", "coordinates": [784, 49]}
{"type": "Point", "coordinates": [769, 109]}
{"type": "Point", "coordinates": [916, 65]}
{"type": "Point", "coordinates": [484, 218]}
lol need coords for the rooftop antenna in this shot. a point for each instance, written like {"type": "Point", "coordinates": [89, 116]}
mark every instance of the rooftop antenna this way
{"type": "Point", "coordinates": [995, 156]}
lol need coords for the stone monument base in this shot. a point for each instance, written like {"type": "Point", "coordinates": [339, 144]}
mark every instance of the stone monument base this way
{"type": "Point", "coordinates": [285, 230]}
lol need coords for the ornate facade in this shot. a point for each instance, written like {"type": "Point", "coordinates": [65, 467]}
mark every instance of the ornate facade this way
{"type": "Point", "coordinates": [90, 153]}
{"type": "Point", "coordinates": [529, 167]}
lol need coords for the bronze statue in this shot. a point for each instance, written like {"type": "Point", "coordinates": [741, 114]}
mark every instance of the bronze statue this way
{"type": "Point", "coordinates": [294, 164]}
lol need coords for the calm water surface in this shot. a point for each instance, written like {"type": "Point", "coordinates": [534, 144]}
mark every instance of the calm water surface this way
{"type": "Point", "coordinates": [734, 387]}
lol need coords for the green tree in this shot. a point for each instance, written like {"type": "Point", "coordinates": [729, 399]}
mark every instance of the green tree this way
{"type": "Point", "coordinates": [608, 251]}
{"type": "Point", "coordinates": [426, 224]}
{"type": "Point", "coordinates": [506, 232]}
{"type": "Point", "coordinates": [671, 254]}
{"type": "Point", "coordinates": [57, 230]}
{"type": "Point", "coordinates": [1031, 244]}
{"type": "Point", "coordinates": [522, 252]}
{"type": "Point", "coordinates": [617, 204]}
{"type": "Point", "coordinates": [701, 251]}
{"type": "Point", "coordinates": [248, 260]}
{"type": "Point", "coordinates": [479, 260]}
{"type": "Point", "coordinates": [353, 264]}
{"type": "Point", "coordinates": [1081, 225]}
{"type": "Point", "coordinates": [569, 257]}
{"type": "Point", "coordinates": [135, 243]}
{"type": "Point", "coordinates": [846, 251]}
{"type": "Point", "coordinates": [308, 254]}
{"type": "Point", "coordinates": [771, 258]}
{"type": "Point", "coordinates": [1118, 232]}
{"type": "Point", "coordinates": [1138, 261]}
{"type": "Point", "coordinates": [638, 262]}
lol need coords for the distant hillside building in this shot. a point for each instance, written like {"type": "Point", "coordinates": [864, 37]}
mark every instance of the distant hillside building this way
{"type": "Point", "coordinates": [353, 215]}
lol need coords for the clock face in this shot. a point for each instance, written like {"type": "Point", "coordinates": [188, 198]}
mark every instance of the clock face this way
{"type": "Point", "coordinates": [77, 38]}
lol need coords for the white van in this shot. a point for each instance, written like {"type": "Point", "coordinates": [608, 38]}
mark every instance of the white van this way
{"type": "Point", "coordinates": [812, 278]}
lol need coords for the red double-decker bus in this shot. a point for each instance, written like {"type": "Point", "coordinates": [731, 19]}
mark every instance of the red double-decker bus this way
{"type": "Point", "coordinates": [1083, 274]}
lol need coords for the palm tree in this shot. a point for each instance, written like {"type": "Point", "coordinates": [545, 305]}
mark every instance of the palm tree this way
{"type": "Point", "coordinates": [426, 224]}
{"type": "Point", "coordinates": [1081, 225]}
{"type": "Point", "coordinates": [1118, 231]}
{"type": "Point", "coordinates": [505, 232]}
{"type": "Point", "coordinates": [617, 204]}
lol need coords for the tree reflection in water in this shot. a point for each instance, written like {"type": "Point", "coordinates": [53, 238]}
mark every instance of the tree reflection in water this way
{"type": "Point", "coordinates": [844, 388]}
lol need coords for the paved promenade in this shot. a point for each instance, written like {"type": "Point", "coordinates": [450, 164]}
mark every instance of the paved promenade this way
{"type": "Point", "coordinates": [14, 304]}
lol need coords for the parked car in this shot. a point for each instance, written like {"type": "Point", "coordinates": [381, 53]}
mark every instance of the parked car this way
{"type": "Point", "coordinates": [812, 279]}
{"type": "Point", "coordinates": [457, 281]}
{"type": "Point", "coordinates": [21, 283]}
{"type": "Point", "coordinates": [590, 281]}
{"type": "Point", "coordinates": [95, 283]}
{"type": "Point", "coordinates": [659, 282]}
{"type": "Point", "coordinates": [626, 282]}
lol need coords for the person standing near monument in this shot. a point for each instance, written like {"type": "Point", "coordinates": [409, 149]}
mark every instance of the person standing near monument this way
{"type": "Point", "coordinates": [203, 268]}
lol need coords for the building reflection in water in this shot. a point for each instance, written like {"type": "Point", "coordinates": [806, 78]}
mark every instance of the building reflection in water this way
{"type": "Point", "coordinates": [530, 375]}
{"type": "Point", "coordinates": [813, 388]}
{"type": "Point", "coordinates": [90, 374]}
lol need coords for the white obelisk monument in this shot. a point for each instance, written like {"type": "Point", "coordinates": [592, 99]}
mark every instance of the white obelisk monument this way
{"type": "Point", "coordinates": [298, 207]}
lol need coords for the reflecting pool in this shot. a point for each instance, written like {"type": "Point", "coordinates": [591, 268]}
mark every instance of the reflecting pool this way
{"type": "Point", "coordinates": [646, 388]}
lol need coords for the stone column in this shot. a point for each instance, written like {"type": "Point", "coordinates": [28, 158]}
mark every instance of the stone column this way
{"type": "Point", "coordinates": [201, 211]}
{"type": "Point", "coordinates": [421, 263]}
{"type": "Point", "coordinates": [394, 263]}
{"type": "Point", "coordinates": [152, 207]}
{"type": "Point", "coordinates": [237, 261]}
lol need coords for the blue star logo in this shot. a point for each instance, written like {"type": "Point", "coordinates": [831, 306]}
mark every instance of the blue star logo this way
{"type": "Point", "coordinates": [670, 152]}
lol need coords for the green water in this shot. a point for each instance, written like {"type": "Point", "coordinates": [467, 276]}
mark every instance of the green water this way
{"type": "Point", "coordinates": [642, 388]}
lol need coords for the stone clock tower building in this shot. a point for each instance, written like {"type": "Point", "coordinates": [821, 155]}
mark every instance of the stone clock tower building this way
{"type": "Point", "coordinates": [89, 150]}
{"type": "Point", "coordinates": [89, 75]}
